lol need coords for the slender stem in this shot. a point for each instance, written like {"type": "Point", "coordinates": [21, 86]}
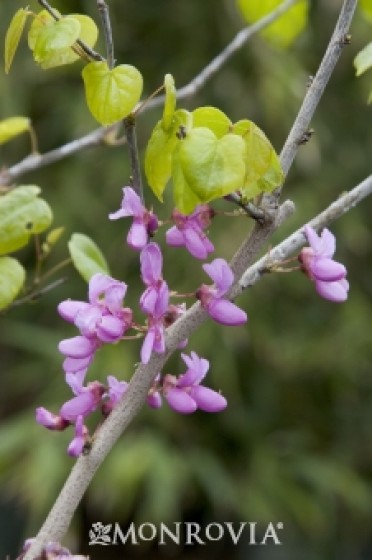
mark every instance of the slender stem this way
{"type": "Point", "coordinates": [107, 29]}
{"type": "Point", "coordinates": [35, 294]}
{"type": "Point", "coordinates": [130, 133]}
{"type": "Point", "coordinates": [55, 269]}
{"type": "Point", "coordinates": [318, 85]}
{"type": "Point", "coordinates": [34, 142]}
{"type": "Point", "coordinates": [92, 54]}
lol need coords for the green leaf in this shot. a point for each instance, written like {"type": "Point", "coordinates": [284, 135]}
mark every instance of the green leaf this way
{"type": "Point", "coordinates": [58, 56]}
{"type": "Point", "coordinates": [363, 60]}
{"type": "Point", "coordinates": [263, 170]}
{"type": "Point", "coordinates": [286, 28]}
{"type": "Point", "coordinates": [54, 38]}
{"type": "Point", "coordinates": [22, 214]}
{"type": "Point", "coordinates": [212, 118]}
{"type": "Point", "coordinates": [13, 36]}
{"type": "Point", "coordinates": [12, 127]}
{"type": "Point", "coordinates": [86, 256]}
{"type": "Point", "coordinates": [111, 94]}
{"type": "Point", "coordinates": [366, 6]}
{"type": "Point", "coordinates": [158, 156]}
{"type": "Point", "coordinates": [12, 278]}
{"type": "Point", "coordinates": [206, 168]}
{"type": "Point", "coordinates": [170, 102]}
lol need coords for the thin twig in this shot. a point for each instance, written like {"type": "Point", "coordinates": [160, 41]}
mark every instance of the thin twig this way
{"type": "Point", "coordinates": [107, 30]}
{"type": "Point", "coordinates": [36, 294]}
{"type": "Point", "coordinates": [35, 161]}
{"type": "Point", "coordinates": [130, 133]}
{"type": "Point", "coordinates": [220, 60]}
{"type": "Point", "coordinates": [318, 84]}
{"type": "Point", "coordinates": [91, 53]}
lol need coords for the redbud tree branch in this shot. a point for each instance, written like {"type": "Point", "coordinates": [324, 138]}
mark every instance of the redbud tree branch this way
{"type": "Point", "coordinates": [33, 162]}
{"type": "Point", "coordinates": [85, 467]}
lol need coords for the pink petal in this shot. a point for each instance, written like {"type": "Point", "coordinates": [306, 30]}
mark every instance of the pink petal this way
{"type": "Point", "coordinates": [180, 401]}
{"type": "Point", "coordinates": [110, 329]}
{"type": "Point", "coordinates": [148, 300]}
{"type": "Point", "coordinates": [86, 320]}
{"type": "Point", "coordinates": [132, 203]}
{"type": "Point", "coordinates": [207, 399]}
{"type": "Point", "coordinates": [333, 291]}
{"type": "Point", "coordinates": [114, 297]}
{"type": "Point", "coordinates": [154, 400]}
{"type": "Point", "coordinates": [327, 269]}
{"type": "Point", "coordinates": [75, 381]}
{"type": "Point", "coordinates": [147, 346]}
{"type": "Point", "coordinates": [49, 420]}
{"type": "Point", "coordinates": [174, 237]}
{"type": "Point", "coordinates": [221, 274]}
{"type": "Point", "coordinates": [74, 365]}
{"type": "Point", "coordinates": [98, 285]}
{"type": "Point", "coordinates": [197, 370]}
{"type": "Point", "coordinates": [162, 301]}
{"type": "Point", "coordinates": [69, 309]}
{"type": "Point", "coordinates": [226, 313]}
{"type": "Point", "coordinates": [151, 264]}
{"type": "Point", "coordinates": [159, 341]}
{"type": "Point", "coordinates": [121, 213]}
{"type": "Point", "coordinates": [329, 243]}
{"type": "Point", "coordinates": [82, 405]}
{"type": "Point", "coordinates": [137, 236]}
{"type": "Point", "coordinates": [195, 243]}
{"type": "Point", "coordinates": [77, 347]}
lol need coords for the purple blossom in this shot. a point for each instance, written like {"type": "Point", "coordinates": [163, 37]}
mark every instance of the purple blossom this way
{"type": "Point", "coordinates": [145, 223]}
{"type": "Point", "coordinates": [188, 231]}
{"type": "Point", "coordinates": [212, 297]}
{"type": "Point", "coordinates": [316, 261]}
{"type": "Point", "coordinates": [154, 301]}
{"type": "Point", "coordinates": [81, 433]}
{"type": "Point", "coordinates": [116, 390]}
{"type": "Point", "coordinates": [103, 320]}
{"type": "Point", "coordinates": [185, 394]}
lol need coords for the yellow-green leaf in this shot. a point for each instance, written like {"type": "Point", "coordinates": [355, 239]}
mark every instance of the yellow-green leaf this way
{"type": "Point", "coordinates": [212, 118]}
{"type": "Point", "coordinates": [158, 156]}
{"type": "Point", "coordinates": [170, 102]}
{"type": "Point", "coordinates": [13, 36]}
{"type": "Point", "coordinates": [55, 37]}
{"type": "Point", "coordinates": [12, 278]}
{"type": "Point", "coordinates": [263, 170]}
{"type": "Point", "coordinates": [54, 235]}
{"type": "Point", "coordinates": [286, 28]}
{"type": "Point", "coordinates": [206, 168]}
{"type": "Point", "coordinates": [12, 127]}
{"type": "Point", "coordinates": [86, 256]}
{"type": "Point", "coordinates": [111, 94]}
{"type": "Point", "coordinates": [22, 213]}
{"type": "Point", "coordinates": [64, 55]}
{"type": "Point", "coordinates": [363, 60]}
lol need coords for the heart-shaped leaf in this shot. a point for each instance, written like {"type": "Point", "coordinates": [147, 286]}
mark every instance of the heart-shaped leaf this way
{"type": "Point", "coordinates": [206, 168]}
{"type": "Point", "coordinates": [56, 37]}
{"type": "Point", "coordinates": [13, 36]}
{"type": "Point", "coordinates": [12, 278]}
{"type": "Point", "coordinates": [158, 156]}
{"type": "Point", "coordinates": [22, 213]}
{"type": "Point", "coordinates": [86, 256]}
{"type": "Point", "coordinates": [170, 102]}
{"type": "Point", "coordinates": [111, 94]}
{"type": "Point", "coordinates": [286, 28]}
{"type": "Point", "coordinates": [58, 56]}
{"type": "Point", "coordinates": [12, 127]}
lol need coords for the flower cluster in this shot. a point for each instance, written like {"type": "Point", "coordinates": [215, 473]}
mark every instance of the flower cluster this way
{"type": "Point", "coordinates": [103, 320]}
{"type": "Point", "coordinates": [316, 261]}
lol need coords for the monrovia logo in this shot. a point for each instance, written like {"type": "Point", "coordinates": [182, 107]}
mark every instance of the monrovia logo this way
{"type": "Point", "coordinates": [187, 533]}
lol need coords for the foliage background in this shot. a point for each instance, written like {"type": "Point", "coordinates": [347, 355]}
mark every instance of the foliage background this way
{"type": "Point", "coordinates": [295, 442]}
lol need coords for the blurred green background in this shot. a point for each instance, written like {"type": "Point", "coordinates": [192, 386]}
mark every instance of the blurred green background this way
{"type": "Point", "coordinates": [295, 443]}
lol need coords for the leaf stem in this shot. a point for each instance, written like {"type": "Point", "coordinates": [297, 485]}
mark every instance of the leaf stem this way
{"type": "Point", "coordinates": [130, 133]}
{"type": "Point", "coordinates": [107, 29]}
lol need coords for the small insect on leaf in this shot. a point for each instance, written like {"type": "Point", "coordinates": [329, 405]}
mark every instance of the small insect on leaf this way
{"type": "Point", "coordinates": [13, 36]}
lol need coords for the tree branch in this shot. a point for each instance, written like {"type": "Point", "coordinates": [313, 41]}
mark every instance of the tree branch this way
{"type": "Point", "coordinates": [106, 24]}
{"type": "Point", "coordinates": [130, 134]}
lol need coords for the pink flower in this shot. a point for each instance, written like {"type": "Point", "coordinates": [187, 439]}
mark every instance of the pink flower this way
{"type": "Point", "coordinates": [185, 394]}
{"type": "Point", "coordinates": [316, 261]}
{"type": "Point", "coordinates": [188, 231]}
{"type": "Point", "coordinates": [116, 390]}
{"type": "Point", "coordinates": [212, 297]}
{"type": "Point", "coordinates": [77, 443]}
{"type": "Point", "coordinates": [101, 321]}
{"type": "Point", "coordinates": [154, 301]}
{"type": "Point", "coordinates": [145, 223]}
